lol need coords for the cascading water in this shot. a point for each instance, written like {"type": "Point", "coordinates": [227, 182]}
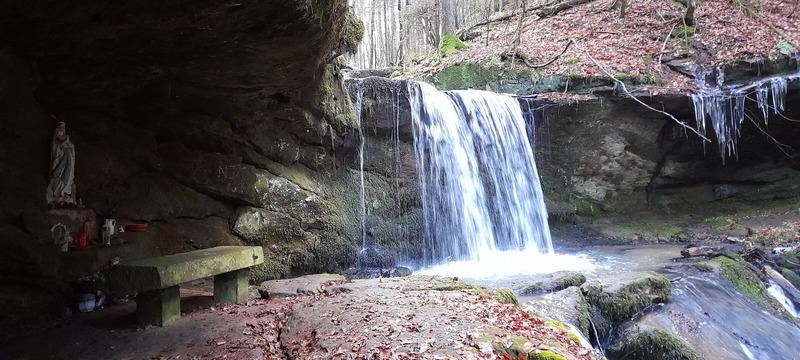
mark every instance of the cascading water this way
{"type": "Point", "coordinates": [479, 184]}
{"type": "Point", "coordinates": [776, 292]}
{"type": "Point", "coordinates": [359, 96]}
{"type": "Point", "coordinates": [724, 105]}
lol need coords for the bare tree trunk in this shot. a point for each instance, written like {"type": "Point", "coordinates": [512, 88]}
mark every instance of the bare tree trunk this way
{"type": "Point", "coordinates": [372, 37]}
{"type": "Point", "coordinates": [518, 35]}
{"type": "Point", "coordinates": [688, 18]}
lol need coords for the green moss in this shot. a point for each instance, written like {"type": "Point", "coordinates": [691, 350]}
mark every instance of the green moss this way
{"type": "Point", "coordinates": [653, 344]}
{"type": "Point", "coordinates": [683, 32]}
{"type": "Point", "coordinates": [557, 284]}
{"type": "Point", "coordinates": [465, 76]}
{"type": "Point", "coordinates": [630, 299]}
{"type": "Point", "coordinates": [556, 324]}
{"type": "Point", "coordinates": [353, 33]}
{"type": "Point", "coordinates": [647, 229]}
{"type": "Point", "coordinates": [717, 222]}
{"type": "Point", "coordinates": [703, 266]}
{"type": "Point", "coordinates": [507, 296]}
{"type": "Point", "coordinates": [545, 355]}
{"type": "Point", "coordinates": [744, 277]}
{"type": "Point", "coordinates": [450, 44]}
{"type": "Point", "coordinates": [791, 276]}
{"type": "Point", "coordinates": [574, 337]}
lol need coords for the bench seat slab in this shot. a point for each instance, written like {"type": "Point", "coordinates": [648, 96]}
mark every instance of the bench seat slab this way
{"type": "Point", "coordinates": [166, 271]}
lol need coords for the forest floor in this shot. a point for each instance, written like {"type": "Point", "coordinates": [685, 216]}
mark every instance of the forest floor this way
{"type": "Point", "coordinates": [418, 317]}
{"type": "Point", "coordinates": [634, 47]}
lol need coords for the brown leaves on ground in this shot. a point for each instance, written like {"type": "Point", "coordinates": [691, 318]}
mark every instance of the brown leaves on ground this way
{"type": "Point", "coordinates": [631, 46]}
{"type": "Point", "coordinates": [387, 320]}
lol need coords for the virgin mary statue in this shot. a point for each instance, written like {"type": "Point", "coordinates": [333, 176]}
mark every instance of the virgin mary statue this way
{"type": "Point", "coordinates": [61, 189]}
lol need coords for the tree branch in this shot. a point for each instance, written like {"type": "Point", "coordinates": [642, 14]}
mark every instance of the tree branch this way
{"type": "Point", "coordinates": [625, 89]}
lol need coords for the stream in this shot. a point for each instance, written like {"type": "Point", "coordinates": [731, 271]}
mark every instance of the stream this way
{"type": "Point", "coordinates": [704, 310]}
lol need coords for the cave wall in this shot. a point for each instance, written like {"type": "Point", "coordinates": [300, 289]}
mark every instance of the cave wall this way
{"type": "Point", "coordinates": [641, 161]}
{"type": "Point", "coordinates": [214, 123]}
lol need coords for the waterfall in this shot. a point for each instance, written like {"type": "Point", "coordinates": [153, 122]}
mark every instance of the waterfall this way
{"type": "Point", "coordinates": [359, 96]}
{"type": "Point", "coordinates": [724, 104]}
{"type": "Point", "coordinates": [479, 185]}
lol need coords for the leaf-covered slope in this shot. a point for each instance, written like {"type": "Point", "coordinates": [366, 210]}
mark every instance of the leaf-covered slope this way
{"type": "Point", "coordinates": [631, 47]}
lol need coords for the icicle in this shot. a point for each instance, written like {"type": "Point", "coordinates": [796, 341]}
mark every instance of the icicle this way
{"type": "Point", "coordinates": [724, 105]}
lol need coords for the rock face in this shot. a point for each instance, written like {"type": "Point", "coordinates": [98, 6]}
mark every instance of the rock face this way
{"type": "Point", "coordinates": [567, 306]}
{"type": "Point", "coordinates": [216, 123]}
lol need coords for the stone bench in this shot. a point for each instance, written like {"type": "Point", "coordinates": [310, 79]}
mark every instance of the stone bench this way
{"type": "Point", "coordinates": [157, 279]}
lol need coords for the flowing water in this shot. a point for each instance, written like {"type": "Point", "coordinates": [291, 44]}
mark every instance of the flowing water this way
{"type": "Point", "coordinates": [480, 189]}
{"type": "Point", "coordinates": [357, 88]}
{"type": "Point", "coordinates": [777, 292]}
{"type": "Point", "coordinates": [485, 220]}
{"type": "Point", "coordinates": [720, 323]}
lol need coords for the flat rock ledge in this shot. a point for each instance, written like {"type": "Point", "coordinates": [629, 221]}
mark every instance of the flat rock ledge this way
{"type": "Point", "coordinates": [304, 285]}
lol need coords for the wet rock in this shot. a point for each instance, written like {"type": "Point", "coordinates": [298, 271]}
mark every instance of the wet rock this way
{"type": "Point", "coordinates": [711, 251]}
{"type": "Point", "coordinates": [568, 306]}
{"type": "Point", "coordinates": [554, 282]}
{"type": "Point", "coordinates": [266, 226]}
{"type": "Point", "coordinates": [400, 271]}
{"type": "Point", "coordinates": [745, 277]}
{"type": "Point", "coordinates": [375, 256]}
{"type": "Point", "coordinates": [620, 297]}
{"type": "Point", "coordinates": [304, 285]}
{"type": "Point", "coordinates": [374, 273]}
{"type": "Point", "coordinates": [640, 342]}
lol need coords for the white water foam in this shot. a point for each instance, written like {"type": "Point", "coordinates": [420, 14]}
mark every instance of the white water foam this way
{"type": "Point", "coordinates": [503, 264]}
{"type": "Point", "coordinates": [776, 292]}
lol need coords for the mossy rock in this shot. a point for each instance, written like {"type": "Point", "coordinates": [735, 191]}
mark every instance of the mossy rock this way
{"type": "Point", "coordinates": [555, 282]}
{"type": "Point", "coordinates": [353, 33]}
{"type": "Point", "coordinates": [744, 276]}
{"type": "Point", "coordinates": [651, 344]}
{"type": "Point", "coordinates": [545, 355]}
{"type": "Point", "coordinates": [450, 44]}
{"type": "Point", "coordinates": [703, 266]}
{"type": "Point", "coordinates": [791, 276]}
{"type": "Point", "coordinates": [626, 297]}
{"type": "Point", "coordinates": [565, 306]}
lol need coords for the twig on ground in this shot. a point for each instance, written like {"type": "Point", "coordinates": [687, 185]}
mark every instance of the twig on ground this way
{"type": "Point", "coordinates": [664, 45]}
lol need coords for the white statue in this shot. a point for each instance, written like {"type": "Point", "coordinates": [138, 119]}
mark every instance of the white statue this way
{"type": "Point", "coordinates": [61, 189]}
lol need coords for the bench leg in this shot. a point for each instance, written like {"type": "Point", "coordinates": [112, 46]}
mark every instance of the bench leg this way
{"type": "Point", "coordinates": [159, 307]}
{"type": "Point", "coordinates": [232, 287]}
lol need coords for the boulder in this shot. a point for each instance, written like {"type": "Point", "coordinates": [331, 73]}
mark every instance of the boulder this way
{"type": "Point", "coordinates": [554, 282]}
{"type": "Point", "coordinates": [304, 285]}
{"type": "Point", "coordinates": [375, 256]}
{"type": "Point", "coordinates": [567, 306]}
{"type": "Point", "coordinates": [639, 342]}
{"type": "Point", "coordinates": [620, 297]}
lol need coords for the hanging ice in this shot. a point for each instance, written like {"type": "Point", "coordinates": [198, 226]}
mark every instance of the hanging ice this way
{"type": "Point", "coordinates": [479, 184]}
{"type": "Point", "coordinates": [724, 104]}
